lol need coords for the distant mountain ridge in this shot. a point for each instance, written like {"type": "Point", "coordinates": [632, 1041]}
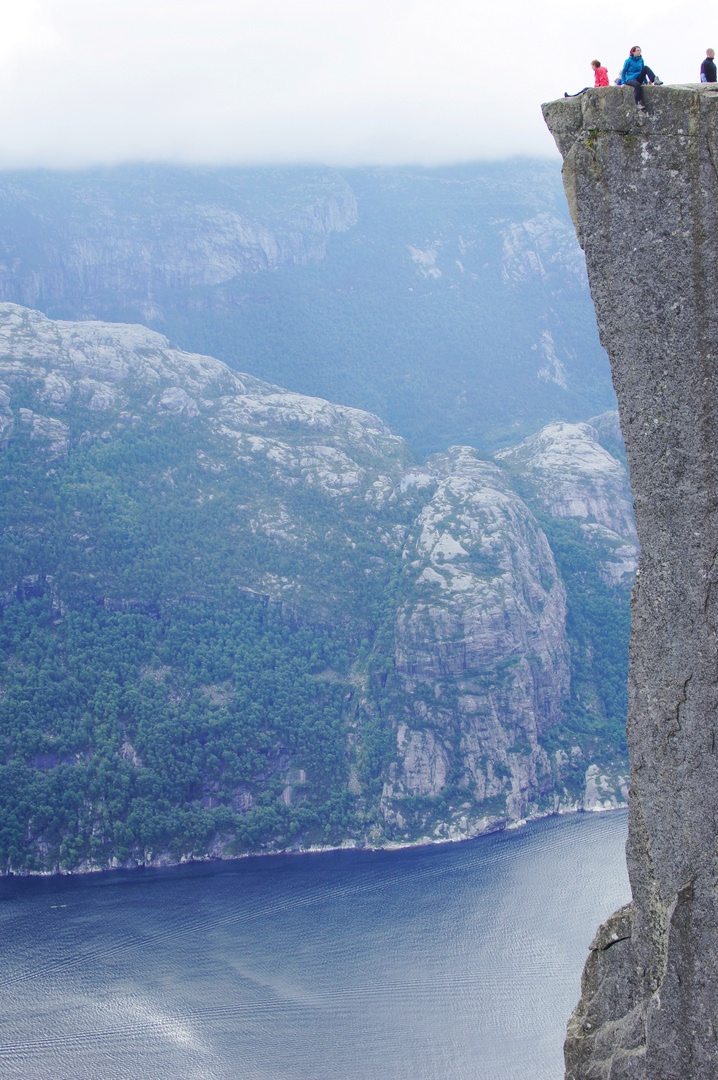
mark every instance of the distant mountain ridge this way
{"type": "Point", "coordinates": [452, 302]}
{"type": "Point", "coordinates": [109, 237]}
{"type": "Point", "coordinates": [239, 618]}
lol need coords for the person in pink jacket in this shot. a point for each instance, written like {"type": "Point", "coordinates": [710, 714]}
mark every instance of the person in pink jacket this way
{"type": "Point", "coordinates": [600, 73]}
{"type": "Point", "coordinates": [600, 78]}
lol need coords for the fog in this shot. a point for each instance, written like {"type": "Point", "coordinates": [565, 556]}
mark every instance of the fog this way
{"type": "Point", "coordinates": [335, 81]}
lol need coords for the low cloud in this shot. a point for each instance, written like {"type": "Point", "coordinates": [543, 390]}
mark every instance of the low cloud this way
{"type": "Point", "coordinates": [335, 81]}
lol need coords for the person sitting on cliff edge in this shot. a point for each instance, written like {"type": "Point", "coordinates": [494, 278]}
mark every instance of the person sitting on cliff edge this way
{"type": "Point", "coordinates": [600, 78]}
{"type": "Point", "coordinates": [709, 73]}
{"type": "Point", "coordinates": [635, 72]}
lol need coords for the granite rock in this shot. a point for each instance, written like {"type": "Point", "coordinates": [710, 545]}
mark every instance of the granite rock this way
{"type": "Point", "coordinates": [576, 470]}
{"type": "Point", "coordinates": [481, 647]}
{"type": "Point", "coordinates": [643, 193]}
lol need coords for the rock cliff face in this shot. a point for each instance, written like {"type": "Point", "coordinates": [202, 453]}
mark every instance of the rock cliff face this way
{"type": "Point", "coordinates": [128, 241]}
{"type": "Point", "coordinates": [482, 634]}
{"type": "Point", "coordinates": [152, 488]}
{"type": "Point", "coordinates": [643, 193]}
{"type": "Point", "coordinates": [576, 471]}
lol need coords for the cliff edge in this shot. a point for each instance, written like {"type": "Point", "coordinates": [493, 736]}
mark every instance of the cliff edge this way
{"type": "Point", "coordinates": [643, 193]}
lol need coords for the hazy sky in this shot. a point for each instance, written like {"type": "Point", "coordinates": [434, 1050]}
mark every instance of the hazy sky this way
{"type": "Point", "coordinates": [334, 81]}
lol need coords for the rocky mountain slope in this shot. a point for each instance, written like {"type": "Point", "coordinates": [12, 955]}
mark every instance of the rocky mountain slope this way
{"type": "Point", "coordinates": [578, 471]}
{"type": "Point", "coordinates": [452, 302]}
{"type": "Point", "coordinates": [239, 618]}
{"type": "Point", "coordinates": [126, 236]}
{"type": "Point", "coordinates": [643, 193]}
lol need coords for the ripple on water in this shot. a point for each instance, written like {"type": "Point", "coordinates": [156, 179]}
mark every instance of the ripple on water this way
{"type": "Point", "coordinates": [458, 962]}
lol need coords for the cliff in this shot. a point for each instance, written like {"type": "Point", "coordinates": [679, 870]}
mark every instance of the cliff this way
{"type": "Point", "coordinates": [237, 618]}
{"type": "Point", "coordinates": [576, 471]}
{"type": "Point", "coordinates": [643, 194]}
{"type": "Point", "coordinates": [365, 286]}
{"type": "Point", "coordinates": [114, 238]}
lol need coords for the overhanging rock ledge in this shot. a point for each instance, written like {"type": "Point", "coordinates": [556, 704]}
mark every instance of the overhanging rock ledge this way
{"type": "Point", "coordinates": [643, 193]}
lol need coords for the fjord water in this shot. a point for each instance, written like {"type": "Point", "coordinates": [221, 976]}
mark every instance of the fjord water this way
{"type": "Point", "coordinates": [437, 963]}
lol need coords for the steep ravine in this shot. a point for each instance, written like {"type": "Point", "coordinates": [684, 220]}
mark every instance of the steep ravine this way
{"type": "Point", "coordinates": [643, 193]}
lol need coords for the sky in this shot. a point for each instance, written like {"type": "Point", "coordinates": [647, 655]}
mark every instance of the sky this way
{"type": "Point", "coordinates": [337, 82]}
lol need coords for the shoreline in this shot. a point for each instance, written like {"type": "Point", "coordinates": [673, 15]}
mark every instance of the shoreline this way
{"type": "Point", "coordinates": [165, 861]}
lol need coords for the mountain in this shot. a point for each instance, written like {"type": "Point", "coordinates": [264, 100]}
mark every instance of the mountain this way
{"type": "Point", "coordinates": [238, 618]}
{"type": "Point", "coordinates": [577, 471]}
{"type": "Point", "coordinates": [452, 302]}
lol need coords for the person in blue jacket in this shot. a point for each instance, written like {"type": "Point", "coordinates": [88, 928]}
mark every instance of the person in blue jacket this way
{"type": "Point", "coordinates": [635, 72]}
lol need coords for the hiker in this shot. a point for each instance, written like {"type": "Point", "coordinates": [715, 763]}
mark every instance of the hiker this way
{"type": "Point", "coordinates": [600, 78]}
{"type": "Point", "coordinates": [600, 73]}
{"type": "Point", "coordinates": [635, 72]}
{"type": "Point", "coordinates": [709, 73]}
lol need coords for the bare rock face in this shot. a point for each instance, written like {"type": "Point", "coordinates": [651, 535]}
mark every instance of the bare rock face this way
{"type": "Point", "coordinates": [131, 234]}
{"type": "Point", "coordinates": [575, 470]}
{"type": "Point", "coordinates": [643, 192]}
{"type": "Point", "coordinates": [480, 642]}
{"type": "Point", "coordinates": [125, 370]}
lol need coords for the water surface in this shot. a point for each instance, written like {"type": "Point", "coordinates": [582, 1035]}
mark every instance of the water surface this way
{"type": "Point", "coordinates": [457, 962]}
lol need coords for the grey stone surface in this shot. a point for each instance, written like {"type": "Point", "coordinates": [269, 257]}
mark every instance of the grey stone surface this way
{"type": "Point", "coordinates": [643, 193]}
{"type": "Point", "coordinates": [570, 473]}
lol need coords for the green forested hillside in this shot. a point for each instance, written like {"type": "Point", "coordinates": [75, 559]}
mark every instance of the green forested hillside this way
{"type": "Point", "coordinates": [135, 732]}
{"type": "Point", "coordinates": [235, 618]}
{"type": "Point", "coordinates": [148, 693]}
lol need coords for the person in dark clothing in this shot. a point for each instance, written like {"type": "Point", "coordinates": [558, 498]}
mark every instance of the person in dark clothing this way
{"type": "Point", "coordinates": [709, 72]}
{"type": "Point", "coordinates": [635, 72]}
